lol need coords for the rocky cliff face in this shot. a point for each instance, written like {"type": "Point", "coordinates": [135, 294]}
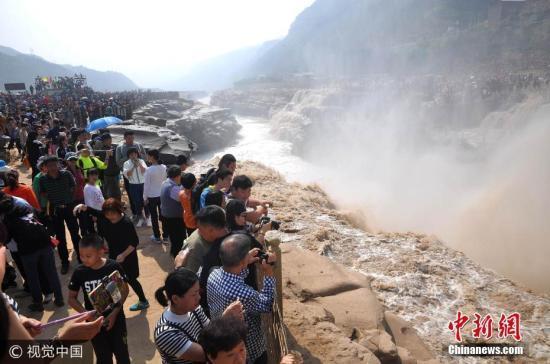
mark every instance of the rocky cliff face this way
{"type": "Point", "coordinates": [255, 101]}
{"type": "Point", "coordinates": [180, 126]}
{"type": "Point", "coordinates": [358, 37]}
{"type": "Point", "coordinates": [209, 127]}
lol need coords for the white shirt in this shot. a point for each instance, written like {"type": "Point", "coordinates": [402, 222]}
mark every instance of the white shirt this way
{"type": "Point", "coordinates": [154, 176]}
{"type": "Point", "coordinates": [93, 197]}
{"type": "Point", "coordinates": [137, 176]}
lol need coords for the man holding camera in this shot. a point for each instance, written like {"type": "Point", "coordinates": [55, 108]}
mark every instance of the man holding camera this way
{"type": "Point", "coordinates": [111, 175]}
{"type": "Point", "coordinates": [227, 284]}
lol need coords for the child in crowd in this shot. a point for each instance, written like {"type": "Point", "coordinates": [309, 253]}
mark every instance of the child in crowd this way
{"type": "Point", "coordinates": [154, 176]}
{"type": "Point", "coordinates": [93, 199]}
{"type": "Point", "coordinates": [122, 240]}
{"type": "Point", "coordinates": [112, 339]}
{"type": "Point", "coordinates": [134, 170]}
{"type": "Point", "coordinates": [188, 182]}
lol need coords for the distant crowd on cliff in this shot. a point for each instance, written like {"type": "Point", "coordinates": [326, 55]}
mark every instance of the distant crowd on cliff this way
{"type": "Point", "coordinates": [104, 194]}
{"type": "Point", "coordinates": [446, 89]}
{"type": "Point", "coordinates": [76, 106]}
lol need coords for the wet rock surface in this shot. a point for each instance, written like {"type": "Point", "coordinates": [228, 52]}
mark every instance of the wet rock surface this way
{"type": "Point", "coordinates": [166, 141]}
{"type": "Point", "coordinates": [414, 276]}
{"type": "Point", "coordinates": [208, 127]}
{"type": "Point", "coordinates": [256, 101]}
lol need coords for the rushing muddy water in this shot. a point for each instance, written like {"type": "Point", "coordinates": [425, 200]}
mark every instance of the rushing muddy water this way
{"type": "Point", "coordinates": [425, 284]}
{"type": "Point", "coordinates": [256, 144]}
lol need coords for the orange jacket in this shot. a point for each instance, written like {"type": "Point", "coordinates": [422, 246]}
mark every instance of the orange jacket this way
{"type": "Point", "coordinates": [25, 192]}
{"type": "Point", "coordinates": [188, 216]}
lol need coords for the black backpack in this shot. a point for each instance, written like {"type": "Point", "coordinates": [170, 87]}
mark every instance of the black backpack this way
{"type": "Point", "coordinates": [28, 233]}
{"type": "Point", "coordinates": [197, 190]}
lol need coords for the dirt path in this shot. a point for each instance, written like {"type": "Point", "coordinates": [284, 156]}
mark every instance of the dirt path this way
{"type": "Point", "coordinates": [154, 262]}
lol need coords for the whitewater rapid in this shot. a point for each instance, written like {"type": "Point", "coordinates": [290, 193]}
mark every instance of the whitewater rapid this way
{"type": "Point", "coordinates": [256, 143]}
{"type": "Point", "coordinates": [425, 284]}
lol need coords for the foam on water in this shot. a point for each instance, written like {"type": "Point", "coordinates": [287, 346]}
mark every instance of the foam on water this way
{"type": "Point", "coordinates": [425, 287]}
{"type": "Point", "coordinates": [257, 144]}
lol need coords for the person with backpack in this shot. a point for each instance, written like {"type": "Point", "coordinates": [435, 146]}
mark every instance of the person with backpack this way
{"type": "Point", "coordinates": [227, 161]}
{"type": "Point", "coordinates": [64, 147]}
{"type": "Point", "coordinates": [111, 174]}
{"type": "Point", "coordinates": [25, 208]}
{"type": "Point", "coordinates": [34, 246]}
{"type": "Point", "coordinates": [86, 162]}
{"type": "Point", "coordinates": [171, 209]}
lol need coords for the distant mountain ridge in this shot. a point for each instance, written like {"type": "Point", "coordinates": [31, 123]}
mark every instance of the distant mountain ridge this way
{"type": "Point", "coordinates": [20, 67]}
{"type": "Point", "coordinates": [222, 71]}
{"type": "Point", "coordinates": [354, 38]}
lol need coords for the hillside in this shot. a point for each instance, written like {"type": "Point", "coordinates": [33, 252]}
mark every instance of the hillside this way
{"type": "Point", "coordinates": [222, 71]}
{"type": "Point", "coordinates": [20, 67]}
{"type": "Point", "coordinates": [356, 37]}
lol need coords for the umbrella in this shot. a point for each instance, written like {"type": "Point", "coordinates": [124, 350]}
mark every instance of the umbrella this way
{"type": "Point", "coordinates": [102, 123]}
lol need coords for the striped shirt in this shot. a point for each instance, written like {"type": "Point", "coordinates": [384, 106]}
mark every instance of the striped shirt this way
{"type": "Point", "coordinates": [11, 302]}
{"type": "Point", "coordinates": [59, 191]}
{"type": "Point", "coordinates": [224, 288]}
{"type": "Point", "coordinates": [174, 334]}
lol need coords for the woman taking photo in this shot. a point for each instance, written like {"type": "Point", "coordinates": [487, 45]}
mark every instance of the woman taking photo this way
{"type": "Point", "coordinates": [177, 331]}
{"type": "Point", "coordinates": [122, 239]}
{"type": "Point", "coordinates": [235, 212]}
{"type": "Point", "coordinates": [64, 147]}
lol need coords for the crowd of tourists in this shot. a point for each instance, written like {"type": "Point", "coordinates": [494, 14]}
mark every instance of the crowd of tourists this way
{"type": "Point", "coordinates": [76, 106]}
{"type": "Point", "coordinates": [103, 194]}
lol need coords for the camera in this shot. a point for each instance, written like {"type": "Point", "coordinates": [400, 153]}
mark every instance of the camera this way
{"type": "Point", "coordinates": [264, 256]}
{"type": "Point", "coordinates": [264, 220]}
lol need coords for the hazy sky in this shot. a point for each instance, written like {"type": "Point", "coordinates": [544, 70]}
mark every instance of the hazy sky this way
{"type": "Point", "coordinates": [149, 41]}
